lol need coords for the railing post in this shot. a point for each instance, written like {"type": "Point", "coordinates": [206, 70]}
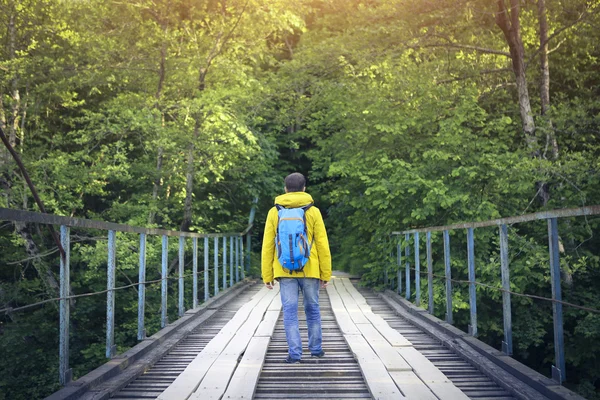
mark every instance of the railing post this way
{"type": "Point", "coordinates": [141, 335]}
{"type": "Point", "coordinates": [224, 262]}
{"type": "Point", "coordinates": [206, 283]}
{"type": "Point", "coordinates": [558, 371]}
{"type": "Point", "coordinates": [216, 265]}
{"type": "Point", "coordinates": [417, 272]}
{"type": "Point", "coordinates": [248, 243]}
{"type": "Point", "coordinates": [242, 257]}
{"type": "Point", "coordinates": [429, 274]}
{"type": "Point", "coordinates": [110, 296]}
{"type": "Point", "coordinates": [448, 271]}
{"type": "Point", "coordinates": [65, 373]}
{"type": "Point", "coordinates": [195, 272]}
{"type": "Point", "coordinates": [399, 273]}
{"type": "Point", "coordinates": [472, 293]}
{"type": "Point", "coordinates": [407, 272]}
{"type": "Point", "coordinates": [181, 307]}
{"type": "Point", "coordinates": [163, 284]}
{"type": "Point", "coordinates": [231, 261]}
{"type": "Point", "coordinates": [506, 308]}
{"type": "Point", "coordinates": [237, 265]}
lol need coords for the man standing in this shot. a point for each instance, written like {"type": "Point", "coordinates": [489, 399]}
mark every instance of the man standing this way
{"type": "Point", "coordinates": [316, 271]}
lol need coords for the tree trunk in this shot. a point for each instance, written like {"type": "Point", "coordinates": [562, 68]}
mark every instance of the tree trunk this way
{"type": "Point", "coordinates": [545, 80]}
{"type": "Point", "coordinates": [509, 23]}
{"type": "Point", "coordinates": [159, 154]}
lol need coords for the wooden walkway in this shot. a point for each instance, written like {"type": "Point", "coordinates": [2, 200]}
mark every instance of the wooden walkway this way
{"type": "Point", "coordinates": [243, 359]}
{"type": "Point", "coordinates": [372, 351]}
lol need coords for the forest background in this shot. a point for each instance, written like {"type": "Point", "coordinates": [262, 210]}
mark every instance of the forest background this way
{"type": "Point", "coordinates": [402, 113]}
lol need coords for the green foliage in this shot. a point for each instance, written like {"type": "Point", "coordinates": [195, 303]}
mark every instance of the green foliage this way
{"type": "Point", "coordinates": [402, 113]}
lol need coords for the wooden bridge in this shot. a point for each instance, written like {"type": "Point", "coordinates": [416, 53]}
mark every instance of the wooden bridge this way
{"type": "Point", "coordinates": [377, 346]}
{"type": "Point", "coordinates": [232, 346]}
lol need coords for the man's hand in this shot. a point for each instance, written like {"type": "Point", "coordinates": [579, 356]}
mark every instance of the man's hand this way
{"type": "Point", "coordinates": [270, 285]}
{"type": "Point", "coordinates": [324, 284]}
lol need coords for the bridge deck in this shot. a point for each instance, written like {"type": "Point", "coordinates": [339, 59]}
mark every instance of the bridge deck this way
{"type": "Point", "coordinates": [371, 352]}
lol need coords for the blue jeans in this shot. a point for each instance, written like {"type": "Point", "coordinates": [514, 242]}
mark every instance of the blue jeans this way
{"type": "Point", "coordinates": [289, 291]}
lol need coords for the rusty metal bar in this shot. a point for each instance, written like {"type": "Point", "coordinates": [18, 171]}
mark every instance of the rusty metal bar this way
{"type": "Point", "coordinates": [567, 212]}
{"type": "Point", "coordinates": [65, 373]}
{"type": "Point", "coordinates": [50, 219]}
{"type": "Point", "coordinates": [507, 347]}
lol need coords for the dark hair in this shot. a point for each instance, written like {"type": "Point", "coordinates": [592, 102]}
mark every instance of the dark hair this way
{"type": "Point", "coordinates": [295, 182]}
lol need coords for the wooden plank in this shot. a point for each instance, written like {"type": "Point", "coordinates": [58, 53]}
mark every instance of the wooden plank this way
{"type": "Point", "coordinates": [395, 338]}
{"type": "Point", "coordinates": [344, 321]}
{"type": "Point", "coordinates": [244, 380]}
{"type": "Point", "coordinates": [424, 368]}
{"type": "Point", "coordinates": [378, 380]}
{"type": "Point", "coordinates": [390, 358]}
{"type": "Point", "coordinates": [187, 382]}
{"type": "Point", "coordinates": [359, 298]}
{"type": "Point", "coordinates": [350, 304]}
{"type": "Point", "coordinates": [411, 386]}
{"type": "Point", "coordinates": [215, 382]}
{"type": "Point", "coordinates": [275, 304]}
{"type": "Point", "coordinates": [267, 326]}
{"type": "Point", "coordinates": [447, 391]}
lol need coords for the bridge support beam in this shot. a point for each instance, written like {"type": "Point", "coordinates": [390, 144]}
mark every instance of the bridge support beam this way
{"type": "Point", "coordinates": [417, 272]}
{"type": "Point", "coordinates": [448, 272]}
{"type": "Point", "coordinates": [195, 272]}
{"type": "Point", "coordinates": [241, 260]}
{"type": "Point", "coordinates": [216, 266]}
{"type": "Point", "coordinates": [231, 277]}
{"type": "Point", "coordinates": [181, 307]}
{"type": "Point", "coordinates": [507, 346]}
{"type": "Point", "coordinates": [206, 282]}
{"type": "Point", "coordinates": [429, 274]}
{"type": "Point", "coordinates": [399, 273]}
{"type": "Point", "coordinates": [163, 284]}
{"type": "Point", "coordinates": [111, 349]}
{"type": "Point", "coordinates": [65, 373]}
{"type": "Point", "coordinates": [558, 370]}
{"type": "Point", "coordinates": [141, 335]}
{"type": "Point", "coordinates": [407, 268]}
{"type": "Point", "coordinates": [224, 262]}
{"type": "Point", "coordinates": [472, 292]}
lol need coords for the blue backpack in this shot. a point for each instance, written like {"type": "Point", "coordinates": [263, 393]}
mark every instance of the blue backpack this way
{"type": "Point", "coordinates": [291, 239]}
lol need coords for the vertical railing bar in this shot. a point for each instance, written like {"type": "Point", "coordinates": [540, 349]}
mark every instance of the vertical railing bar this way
{"type": "Point", "coordinates": [448, 273]}
{"type": "Point", "coordinates": [110, 295]}
{"type": "Point", "coordinates": [206, 281]}
{"type": "Point", "coordinates": [399, 273]}
{"type": "Point", "coordinates": [472, 292]}
{"type": "Point", "coordinates": [237, 265]}
{"type": "Point", "coordinates": [507, 347]}
{"type": "Point", "coordinates": [558, 371]}
{"type": "Point", "coordinates": [224, 262]}
{"type": "Point", "coordinates": [216, 266]}
{"type": "Point", "coordinates": [417, 272]}
{"type": "Point", "coordinates": [195, 272]}
{"type": "Point", "coordinates": [141, 335]}
{"type": "Point", "coordinates": [231, 261]}
{"type": "Point", "coordinates": [242, 257]}
{"type": "Point", "coordinates": [163, 285]}
{"type": "Point", "coordinates": [407, 270]}
{"type": "Point", "coordinates": [65, 373]}
{"type": "Point", "coordinates": [248, 249]}
{"type": "Point", "coordinates": [429, 274]}
{"type": "Point", "coordinates": [181, 307]}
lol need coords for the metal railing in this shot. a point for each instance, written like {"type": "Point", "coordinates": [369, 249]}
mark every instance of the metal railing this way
{"type": "Point", "coordinates": [558, 370]}
{"type": "Point", "coordinates": [236, 263]}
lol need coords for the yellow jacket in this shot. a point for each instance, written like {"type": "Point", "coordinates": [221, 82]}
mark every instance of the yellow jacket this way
{"type": "Point", "coordinates": [319, 262]}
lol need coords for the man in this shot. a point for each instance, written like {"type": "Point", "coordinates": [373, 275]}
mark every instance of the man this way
{"type": "Point", "coordinates": [316, 272]}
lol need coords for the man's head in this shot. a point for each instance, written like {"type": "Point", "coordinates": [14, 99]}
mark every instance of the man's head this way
{"type": "Point", "coordinates": [295, 183]}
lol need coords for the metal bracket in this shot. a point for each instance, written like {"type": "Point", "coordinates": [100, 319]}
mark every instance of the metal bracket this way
{"type": "Point", "coordinates": [556, 375]}
{"type": "Point", "coordinates": [474, 334]}
{"type": "Point", "coordinates": [67, 376]}
{"type": "Point", "coordinates": [505, 348]}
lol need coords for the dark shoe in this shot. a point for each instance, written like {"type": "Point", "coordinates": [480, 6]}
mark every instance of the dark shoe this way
{"type": "Point", "coordinates": [319, 355]}
{"type": "Point", "coordinates": [290, 360]}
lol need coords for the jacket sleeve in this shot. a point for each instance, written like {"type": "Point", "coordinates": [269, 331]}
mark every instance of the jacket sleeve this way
{"type": "Point", "coordinates": [322, 243]}
{"type": "Point", "coordinates": [268, 246]}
